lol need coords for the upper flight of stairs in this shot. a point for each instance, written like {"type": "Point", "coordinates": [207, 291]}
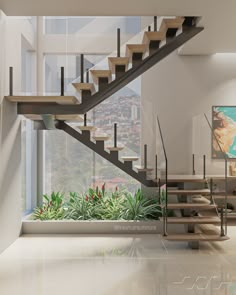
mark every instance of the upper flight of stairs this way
{"type": "Point", "coordinates": [156, 45]}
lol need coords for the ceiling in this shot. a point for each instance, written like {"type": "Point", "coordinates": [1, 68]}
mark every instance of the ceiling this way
{"type": "Point", "coordinates": [218, 16]}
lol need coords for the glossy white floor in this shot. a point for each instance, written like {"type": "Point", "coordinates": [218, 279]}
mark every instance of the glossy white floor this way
{"type": "Point", "coordinates": [137, 265]}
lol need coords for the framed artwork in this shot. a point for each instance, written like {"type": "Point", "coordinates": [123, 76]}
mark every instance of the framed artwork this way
{"type": "Point", "coordinates": [224, 128]}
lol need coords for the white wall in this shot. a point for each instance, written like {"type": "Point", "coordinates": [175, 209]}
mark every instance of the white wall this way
{"type": "Point", "coordinates": [181, 89]}
{"type": "Point", "coordinates": [10, 131]}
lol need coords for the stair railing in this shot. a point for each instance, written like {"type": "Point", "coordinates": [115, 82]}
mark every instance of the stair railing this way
{"type": "Point", "coordinates": [163, 183]}
{"type": "Point", "coordinates": [223, 215]}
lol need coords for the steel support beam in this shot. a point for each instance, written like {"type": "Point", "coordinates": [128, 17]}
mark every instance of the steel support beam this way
{"type": "Point", "coordinates": [100, 151]}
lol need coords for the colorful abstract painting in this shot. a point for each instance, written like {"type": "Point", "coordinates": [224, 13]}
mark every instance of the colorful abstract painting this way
{"type": "Point", "coordinates": [224, 128]}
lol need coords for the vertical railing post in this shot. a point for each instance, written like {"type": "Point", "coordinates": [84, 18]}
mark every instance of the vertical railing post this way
{"type": "Point", "coordinates": [204, 166]}
{"type": "Point", "coordinates": [193, 163]}
{"type": "Point", "coordinates": [155, 23]}
{"type": "Point", "coordinates": [145, 156]}
{"type": "Point", "coordinates": [87, 75]}
{"type": "Point", "coordinates": [222, 222]}
{"type": "Point", "coordinates": [156, 172]}
{"type": "Point", "coordinates": [82, 68]}
{"type": "Point", "coordinates": [11, 81]}
{"type": "Point", "coordinates": [211, 190]}
{"type": "Point", "coordinates": [166, 205]}
{"type": "Point", "coordinates": [62, 81]}
{"type": "Point", "coordinates": [85, 119]}
{"type": "Point", "coordinates": [159, 190]}
{"type": "Point", "coordinates": [118, 42]}
{"type": "Point", "coordinates": [115, 135]}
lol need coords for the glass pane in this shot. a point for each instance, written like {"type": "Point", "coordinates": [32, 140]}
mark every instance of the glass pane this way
{"type": "Point", "coordinates": [91, 25]}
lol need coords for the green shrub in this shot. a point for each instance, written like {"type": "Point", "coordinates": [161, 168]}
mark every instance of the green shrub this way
{"type": "Point", "coordinates": [98, 204]}
{"type": "Point", "coordinates": [52, 208]}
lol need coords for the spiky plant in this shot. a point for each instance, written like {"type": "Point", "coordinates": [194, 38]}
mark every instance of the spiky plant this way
{"type": "Point", "coordinates": [52, 207]}
{"type": "Point", "coordinates": [138, 207]}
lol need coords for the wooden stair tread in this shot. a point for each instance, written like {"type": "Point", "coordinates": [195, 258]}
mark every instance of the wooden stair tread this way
{"type": "Point", "coordinates": [195, 237]}
{"type": "Point", "coordinates": [84, 86]}
{"type": "Point", "coordinates": [186, 178]}
{"type": "Point", "coordinates": [189, 192]}
{"type": "Point", "coordinates": [57, 99]}
{"type": "Point", "coordinates": [101, 138]}
{"type": "Point", "coordinates": [87, 128]}
{"type": "Point", "coordinates": [153, 36]}
{"type": "Point", "coordinates": [190, 206]}
{"type": "Point", "coordinates": [193, 220]}
{"type": "Point", "coordinates": [115, 149]}
{"type": "Point", "coordinates": [71, 118]}
{"type": "Point", "coordinates": [113, 61]}
{"type": "Point", "coordinates": [126, 158]}
{"type": "Point", "coordinates": [135, 48]}
{"type": "Point", "coordinates": [171, 23]}
{"type": "Point", "coordinates": [96, 74]}
{"type": "Point", "coordinates": [142, 169]}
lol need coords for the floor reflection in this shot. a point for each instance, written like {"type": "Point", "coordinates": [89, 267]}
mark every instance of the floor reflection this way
{"type": "Point", "coordinates": [118, 265]}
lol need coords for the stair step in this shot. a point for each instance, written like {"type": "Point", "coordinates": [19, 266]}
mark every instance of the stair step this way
{"type": "Point", "coordinates": [115, 149]}
{"type": "Point", "coordinates": [73, 118]}
{"type": "Point", "coordinates": [96, 74]}
{"type": "Point", "coordinates": [87, 128]}
{"type": "Point", "coordinates": [153, 36]}
{"type": "Point", "coordinates": [130, 159]}
{"type": "Point", "coordinates": [69, 118]}
{"type": "Point", "coordinates": [142, 169]}
{"type": "Point", "coordinates": [189, 192]}
{"type": "Point", "coordinates": [118, 61]}
{"type": "Point", "coordinates": [101, 138]}
{"type": "Point", "coordinates": [184, 179]}
{"type": "Point", "coordinates": [135, 48]}
{"type": "Point", "coordinates": [84, 86]}
{"type": "Point", "coordinates": [195, 237]}
{"type": "Point", "coordinates": [171, 23]}
{"type": "Point", "coordinates": [56, 99]}
{"type": "Point", "coordinates": [191, 206]}
{"type": "Point", "coordinates": [193, 220]}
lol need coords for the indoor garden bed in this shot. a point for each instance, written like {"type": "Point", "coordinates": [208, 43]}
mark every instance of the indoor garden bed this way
{"type": "Point", "coordinates": [96, 212]}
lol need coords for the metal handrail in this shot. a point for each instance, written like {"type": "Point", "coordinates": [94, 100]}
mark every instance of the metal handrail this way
{"type": "Point", "coordinates": [223, 232]}
{"type": "Point", "coordinates": [166, 180]}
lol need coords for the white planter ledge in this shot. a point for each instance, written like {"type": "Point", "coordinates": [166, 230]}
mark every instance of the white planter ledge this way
{"type": "Point", "coordinates": [94, 227]}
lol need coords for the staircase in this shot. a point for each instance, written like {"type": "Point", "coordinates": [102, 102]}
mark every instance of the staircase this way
{"type": "Point", "coordinates": [198, 212]}
{"type": "Point", "coordinates": [155, 46]}
{"type": "Point", "coordinates": [59, 111]}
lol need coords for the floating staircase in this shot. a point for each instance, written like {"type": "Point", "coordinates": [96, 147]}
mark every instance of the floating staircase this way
{"type": "Point", "coordinates": [198, 213]}
{"type": "Point", "coordinates": [156, 45]}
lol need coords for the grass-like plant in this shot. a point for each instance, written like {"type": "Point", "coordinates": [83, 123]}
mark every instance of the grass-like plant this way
{"type": "Point", "coordinates": [79, 208]}
{"type": "Point", "coordinates": [52, 208]}
{"type": "Point", "coordinates": [98, 204]}
{"type": "Point", "coordinates": [138, 207]}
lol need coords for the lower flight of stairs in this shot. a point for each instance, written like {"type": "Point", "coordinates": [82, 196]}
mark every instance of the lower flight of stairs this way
{"type": "Point", "coordinates": [198, 213]}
